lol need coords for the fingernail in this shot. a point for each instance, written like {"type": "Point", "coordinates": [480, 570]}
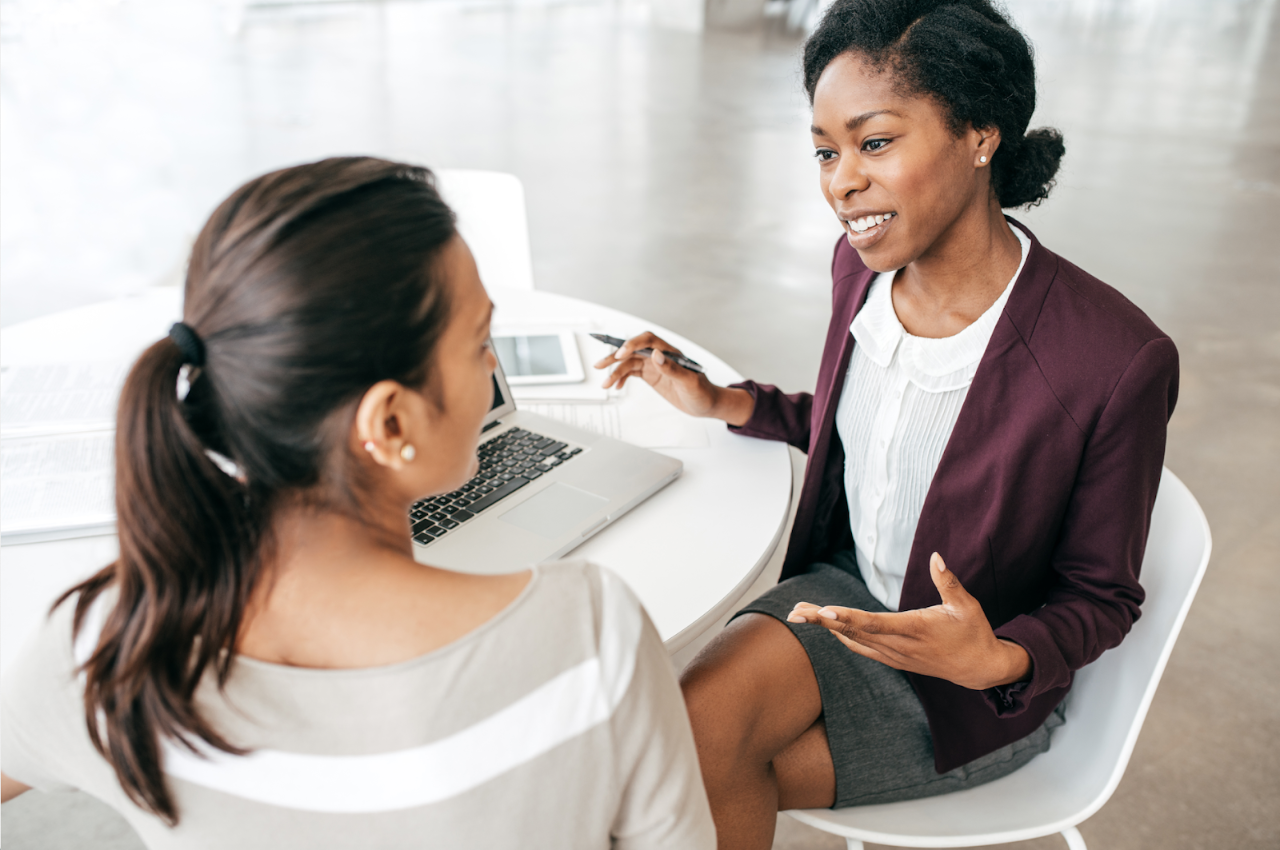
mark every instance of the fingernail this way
{"type": "Point", "coordinates": [828, 613]}
{"type": "Point", "coordinates": [795, 618]}
{"type": "Point", "coordinates": [942, 568]}
{"type": "Point", "coordinates": [659, 358]}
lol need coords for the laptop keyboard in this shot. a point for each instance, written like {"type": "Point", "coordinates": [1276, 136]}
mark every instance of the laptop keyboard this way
{"type": "Point", "coordinates": [507, 462]}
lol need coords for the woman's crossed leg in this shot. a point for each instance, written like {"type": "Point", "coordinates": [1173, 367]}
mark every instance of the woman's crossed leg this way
{"type": "Point", "coordinates": [756, 711]}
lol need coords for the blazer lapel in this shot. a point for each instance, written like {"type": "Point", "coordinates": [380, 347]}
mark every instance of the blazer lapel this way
{"type": "Point", "coordinates": [851, 294]}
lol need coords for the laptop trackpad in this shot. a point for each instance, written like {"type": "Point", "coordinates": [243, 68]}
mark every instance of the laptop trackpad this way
{"type": "Point", "coordinates": [555, 511]}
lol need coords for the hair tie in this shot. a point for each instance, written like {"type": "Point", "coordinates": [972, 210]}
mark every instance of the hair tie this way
{"type": "Point", "coordinates": [188, 343]}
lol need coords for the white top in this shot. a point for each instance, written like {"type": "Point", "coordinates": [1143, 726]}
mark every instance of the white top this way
{"type": "Point", "coordinates": [902, 396]}
{"type": "Point", "coordinates": [557, 724]}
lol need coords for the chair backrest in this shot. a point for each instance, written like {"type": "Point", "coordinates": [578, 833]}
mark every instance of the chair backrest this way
{"type": "Point", "coordinates": [1105, 711]}
{"type": "Point", "coordinates": [1109, 700]}
{"type": "Point", "coordinates": [491, 217]}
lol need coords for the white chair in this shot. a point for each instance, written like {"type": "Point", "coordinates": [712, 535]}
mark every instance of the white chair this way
{"type": "Point", "coordinates": [1105, 710]}
{"type": "Point", "coordinates": [491, 217]}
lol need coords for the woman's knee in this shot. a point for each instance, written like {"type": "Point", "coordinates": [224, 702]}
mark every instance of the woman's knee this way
{"type": "Point", "coordinates": [752, 690]}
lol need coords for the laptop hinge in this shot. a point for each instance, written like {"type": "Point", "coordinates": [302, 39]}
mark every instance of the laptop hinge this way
{"type": "Point", "coordinates": [492, 424]}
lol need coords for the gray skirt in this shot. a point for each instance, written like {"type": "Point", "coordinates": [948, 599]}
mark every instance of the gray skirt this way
{"type": "Point", "coordinates": [876, 728]}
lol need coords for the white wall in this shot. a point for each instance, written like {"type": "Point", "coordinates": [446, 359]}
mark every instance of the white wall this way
{"type": "Point", "coordinates": [119, 127]}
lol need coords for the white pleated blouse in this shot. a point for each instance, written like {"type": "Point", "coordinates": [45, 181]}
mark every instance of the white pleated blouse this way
{"type": "Point", "coordinates": [901, 398]}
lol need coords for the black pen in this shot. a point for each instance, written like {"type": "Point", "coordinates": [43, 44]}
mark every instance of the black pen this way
{"type": "Point", "coordinates": [678, 359]}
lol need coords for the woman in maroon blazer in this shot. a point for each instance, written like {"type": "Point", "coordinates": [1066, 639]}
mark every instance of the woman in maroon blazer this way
{"type": "Point", "coordinates": [969, 531]}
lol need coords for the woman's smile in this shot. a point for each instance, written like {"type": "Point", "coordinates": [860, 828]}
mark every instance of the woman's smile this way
{"type": "Point", "coordinates": [866, 229]}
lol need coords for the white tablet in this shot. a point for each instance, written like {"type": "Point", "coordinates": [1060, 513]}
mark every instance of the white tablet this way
{"type": "Point", "coordinates": [540, 357]}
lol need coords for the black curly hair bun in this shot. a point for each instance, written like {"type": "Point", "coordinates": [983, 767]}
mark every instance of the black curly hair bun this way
{"type": "Point", "coordinates": [967, 56]}
{"type": "Point", "coordinates": [1024, 173]}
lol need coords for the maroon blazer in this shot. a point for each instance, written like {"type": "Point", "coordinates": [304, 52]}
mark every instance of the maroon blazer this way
{"type": "Point", "coordinates": [1042, 498]}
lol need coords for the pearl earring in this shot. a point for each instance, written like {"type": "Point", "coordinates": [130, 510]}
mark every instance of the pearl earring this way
{"type": "Point", "coordinates": [982, 159]}
{"type": "Point", "coordinates": [369, 445]}
{"type": "Point", "coordinates": [408, 453]}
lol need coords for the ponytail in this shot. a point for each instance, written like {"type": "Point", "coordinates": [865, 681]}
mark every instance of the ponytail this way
{"type": "Point", "coordinates": [190, 557]}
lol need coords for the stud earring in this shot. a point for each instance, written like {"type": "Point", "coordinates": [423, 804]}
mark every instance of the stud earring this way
{"type": "Point", "coordinates": [982, 159]}
{"type": "Point", "coordinates": [369, 445]}
{"type": "Point", "coordinates": [408, 453]}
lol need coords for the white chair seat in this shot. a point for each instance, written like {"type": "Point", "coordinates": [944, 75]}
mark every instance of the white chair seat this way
{"type": "Point", "coordinates": [1105, 711]}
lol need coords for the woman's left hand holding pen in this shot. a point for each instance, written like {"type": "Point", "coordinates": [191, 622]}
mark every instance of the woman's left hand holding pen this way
{"type": "Point", "coordinates": [688, 391]}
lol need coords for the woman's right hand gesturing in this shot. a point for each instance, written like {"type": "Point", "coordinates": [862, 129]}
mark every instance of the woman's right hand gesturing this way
{"type": "Point", "coordinates": [687, 390]}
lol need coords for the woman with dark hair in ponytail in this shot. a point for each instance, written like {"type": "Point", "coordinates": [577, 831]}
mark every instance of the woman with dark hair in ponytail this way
{"type": "Point", "coordinates": [984, 446]}
{"type": "Point", "coordinates": [266, 665]}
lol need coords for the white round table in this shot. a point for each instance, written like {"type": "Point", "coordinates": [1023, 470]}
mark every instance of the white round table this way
{"type": "Point", "coordinates": [689, 552]}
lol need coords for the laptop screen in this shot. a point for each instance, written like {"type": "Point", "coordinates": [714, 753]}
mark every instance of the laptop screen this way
{"type": "Point", "coordinates": [503, 403]}
{"type": "Point", "coordinates": [497, 394]}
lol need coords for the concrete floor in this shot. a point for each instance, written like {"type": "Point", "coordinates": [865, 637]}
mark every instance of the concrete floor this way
{"type": "Point", "coordinates": [668, 174]}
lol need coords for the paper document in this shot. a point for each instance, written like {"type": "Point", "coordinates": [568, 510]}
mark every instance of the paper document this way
{"type": "Point", "coordinates": [64, 482]}
{"type": "Point", "coordinates": [584, 391]}
{"type": "Point", "coordinates": [647, 426]}
{"type": "Point", "coordinates": [57, 442]}
{"type": "Point", "coordinates": [597, 418]}
{"type": "Point", "coordinates": [55, 398]}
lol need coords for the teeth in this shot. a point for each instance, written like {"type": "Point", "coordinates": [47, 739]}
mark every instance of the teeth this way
{"type": "Point", "coordinates": [862, 225]}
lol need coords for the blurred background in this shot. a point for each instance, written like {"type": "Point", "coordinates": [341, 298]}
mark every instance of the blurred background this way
{"type": "Point", "coordinates": [667, 166]}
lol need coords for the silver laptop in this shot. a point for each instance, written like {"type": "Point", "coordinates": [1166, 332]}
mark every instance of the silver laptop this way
{"type": "Point", "coordinates": [543, 488]}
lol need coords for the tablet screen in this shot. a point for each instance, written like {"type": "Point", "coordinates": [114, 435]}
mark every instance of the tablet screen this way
{"type": "Point", "coordinates": [530, 356]}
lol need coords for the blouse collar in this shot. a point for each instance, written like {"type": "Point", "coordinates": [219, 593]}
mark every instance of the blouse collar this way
{"type": "Point", "coordinates": [934, 365]}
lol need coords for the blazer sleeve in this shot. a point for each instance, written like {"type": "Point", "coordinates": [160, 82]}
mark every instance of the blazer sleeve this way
{"type": "Point", "coordinates": [777, 415]}
{"type": "Point", "coordinates": [1095, 596]}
